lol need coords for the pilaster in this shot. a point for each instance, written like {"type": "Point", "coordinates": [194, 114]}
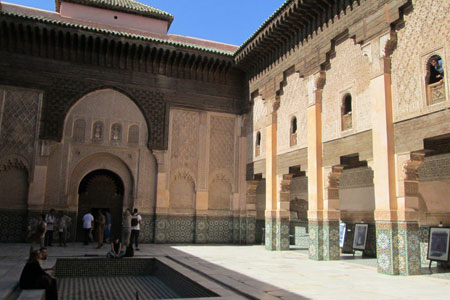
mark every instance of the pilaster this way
{"type": "Point", "coordinates": [396, 204]}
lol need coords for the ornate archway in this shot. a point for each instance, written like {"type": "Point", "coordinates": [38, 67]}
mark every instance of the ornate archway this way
{"type": "Point", "coordinates": [101, 189]}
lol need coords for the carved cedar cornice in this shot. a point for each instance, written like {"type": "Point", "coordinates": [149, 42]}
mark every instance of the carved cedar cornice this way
{"type": "Point", "coordinates": [82, 46]}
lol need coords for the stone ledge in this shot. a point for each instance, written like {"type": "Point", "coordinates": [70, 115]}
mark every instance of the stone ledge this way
{"type": "Point", "coordinates": [32, 295]}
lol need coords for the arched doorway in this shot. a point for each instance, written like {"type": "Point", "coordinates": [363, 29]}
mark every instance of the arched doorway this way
{"type": "Point", "coordinates": [101, 189]}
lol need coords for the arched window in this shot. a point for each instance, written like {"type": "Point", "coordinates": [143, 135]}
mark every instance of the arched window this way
{"type": "Point", "coordinates": [347, 112]}
{"type": "Point", "coordinates": [258, 144]}
{"type": "Point", "coordinates": [97, 131]}
{"type": "Point", "coordinates": [79, 128]}
{"type": "Point", "coordinates": [116, 132]}
{"type": "Point", "coordinates": [434, 80]}
{"type": "Point", "coordinates": [293, 132]}
{"type": "Point", "coordinates": [133, 135]}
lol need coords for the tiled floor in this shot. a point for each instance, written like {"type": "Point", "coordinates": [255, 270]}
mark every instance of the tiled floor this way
{"type": "Point", "coordinates": [260, 274]}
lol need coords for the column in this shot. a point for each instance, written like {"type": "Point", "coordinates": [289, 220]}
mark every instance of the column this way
{"type": "Point", "coordinates": [331, 214]}
{"type": "Point", "coordinates": [277, 221]}
{"type": "Point", "coordinates": [200, 217]}
{"type": "Point", "coordinates": [397, 230]}
{"type": "Point", "coordinates": [162, 197]}
{"type": "Point", "coordinates": [323, 214]}
{"type": "Point", "coordinates": [252, 185]}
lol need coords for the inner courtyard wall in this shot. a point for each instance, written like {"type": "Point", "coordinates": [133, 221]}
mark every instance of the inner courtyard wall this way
{"type": "Point", "coordinates": [423, 33]}
{"type": "Point", "coordinates": [19, 127]}
{"type": "Point", "coordinates": [204, 201]}
{"type": "Point", "coordinates": [349, 73]}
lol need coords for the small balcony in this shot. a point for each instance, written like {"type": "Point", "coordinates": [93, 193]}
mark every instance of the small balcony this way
{"type": "Point", "coordinates": [347, 121]}
{"type": "Point", "coordinates": [436, 92]}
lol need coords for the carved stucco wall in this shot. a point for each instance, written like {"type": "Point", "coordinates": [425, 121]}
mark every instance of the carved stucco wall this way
{"type": "Point", "coordinates": [261, 200]}
{"type": "Point", "coordinates": [349, 73]}
{"type": "Point", "coordinates": [293, 102]}
{"type": "Point", "coordinates": [19, 117]}
{"type": "Point", "coordinates": [249, 134]}
{"type": "Point", "coordinates": [185, 141]}
{"type": "Point", "coordinates": [258, 116]}
{"type": "Point", "coordinates": [434, 176]}
{"type": "Point", "coordinates": [184, 152]}
{"type": "Point", "coordinates": [425, 33]}
{"type": "Point", "coordinates": [356, 190]}
{"type": "Point", "coordinates": [299, 198]}
{"type": "Point", "coordinates": [221, 161]}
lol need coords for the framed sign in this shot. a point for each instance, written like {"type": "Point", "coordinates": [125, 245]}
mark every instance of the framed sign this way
{"type": "Point", "coordinates": [342, 227]}
{"type": "Point", "coordinates": [360, 237]}
{"type": "Point", "coordinates": [438, 244]}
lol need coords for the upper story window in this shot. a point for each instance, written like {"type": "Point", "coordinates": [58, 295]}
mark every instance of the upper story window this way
{"type": "Point", "coordinates": [435, 80]}
{"type": "Point", "coordinates": [116, 132]}
{"type": "Point", "coordinates": [133, 135]}
{"type": "Point", "coordinates": [258, 144]}
{"type": "Point", "coordinates": [347, 112]}
{"type": "Point", "coordinates": [293, 132]}
{"type": "Point", "coordinates": [97, 131]}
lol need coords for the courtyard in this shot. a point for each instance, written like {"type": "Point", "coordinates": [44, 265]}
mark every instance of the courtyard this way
{"type": "Point", "coordinates": [251, 272]}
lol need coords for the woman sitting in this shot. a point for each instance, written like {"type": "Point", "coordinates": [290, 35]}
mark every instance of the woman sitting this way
{"type": "Point", "coordinates": [116, 249]}
{"type": "Point", "coordinates": [34, 277]}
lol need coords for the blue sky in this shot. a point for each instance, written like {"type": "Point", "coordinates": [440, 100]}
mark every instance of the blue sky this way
{"type": "Point", "coordinates": [228, 21]}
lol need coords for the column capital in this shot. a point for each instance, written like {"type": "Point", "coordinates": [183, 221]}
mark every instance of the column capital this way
{"type": "Point", "coordinates": [161, 159]}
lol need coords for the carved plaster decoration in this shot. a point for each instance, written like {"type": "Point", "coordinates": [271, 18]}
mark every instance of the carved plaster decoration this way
{"type": "Point", "coordinates": [411, 166]}
{"type": "Point", "coordinates": [388, 43]}
{"type": "Point", "coordinates": [13, 163]}
{"type": "Point", "coordinates": [183, 174]}
{"type": "Point", "coordinates": [367, 51]}
{"type": "Point", "coordinates": [259, 110]}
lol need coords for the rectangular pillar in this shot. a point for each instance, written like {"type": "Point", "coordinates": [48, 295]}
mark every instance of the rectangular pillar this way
{"type": "Point", "coordinates": [277, 222]}
{"type": "Point", "coordinates": [397, 230]}
{"type": "Point", "coordinates": [323, 214]}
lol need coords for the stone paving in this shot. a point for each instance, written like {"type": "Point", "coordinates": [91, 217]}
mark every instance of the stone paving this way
{"type": "Point", "coordinates": [255, 273]}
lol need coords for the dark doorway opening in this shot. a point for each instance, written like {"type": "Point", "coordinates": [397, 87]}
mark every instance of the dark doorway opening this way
{"type": "Point", "coordinates": [100, 189]}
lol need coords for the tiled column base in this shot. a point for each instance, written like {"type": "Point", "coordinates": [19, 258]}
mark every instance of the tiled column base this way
{"type": "Point", "coordinates": [201, 229]}
{"type": "Point", "coordinates": [251, 230]}
{"type": "Point", "coordinates": [161, 228]}
{"type": "Point", "coordinates": [277, 234]}
{"type": "Point", "coordinates": [243, 230]}
{"type": "Point", "coordinates": [398, 248]}
{"type": "Point", "coordinates": [236, 230]}
{"type": "Point", "coordinates": [324, 240]}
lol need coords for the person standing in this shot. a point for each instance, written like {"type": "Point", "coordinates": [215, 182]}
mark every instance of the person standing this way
{"type": "Point", "coordinates": [107, 226]}
{"type": "Point", "coordinates": [126, 227]}
{"type": "Point", "coordinates": [100, 227]}
{"type": "Point", "coordinates": [41, 231]}
{"type": "Point", "coordinates": [63, 225]}
{"type": "Point", "coordinates": [88, 219]}
{"type": "Point", "coordinates": [136, 220]}
{"type": "Point", "coordinates": [50, 219]}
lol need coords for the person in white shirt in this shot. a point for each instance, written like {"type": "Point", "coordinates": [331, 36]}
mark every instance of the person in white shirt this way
{"type": "Point", "coordinates": [88, 219]}
{"type": "Point", "coordinates": [135, 227]}
{"type": "Point", "coordinates": [50, 219]}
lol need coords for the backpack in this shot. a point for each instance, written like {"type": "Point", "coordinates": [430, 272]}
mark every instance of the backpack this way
{"type": "Point", "coordinates": [129, 252]}
{"type": "Point", "coordinates": [134, 221]}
